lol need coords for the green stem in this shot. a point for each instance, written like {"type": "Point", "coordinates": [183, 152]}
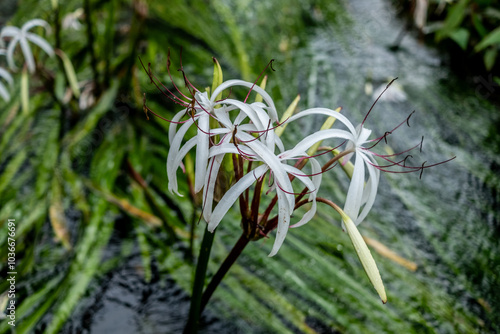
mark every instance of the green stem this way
{"type": "Point", "coordinates": [90, 42]}
{"type": "Point", "coordinates": [223, 269]}
{"type": "Point", "coordinates": [199, 282]}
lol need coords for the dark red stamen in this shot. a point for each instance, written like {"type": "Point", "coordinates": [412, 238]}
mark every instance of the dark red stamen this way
{"type": "Point", "coordinates": [368, 113]}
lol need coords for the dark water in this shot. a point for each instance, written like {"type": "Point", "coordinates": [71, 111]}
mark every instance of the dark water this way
{"type": "Point", "coordinates": [447, 221]}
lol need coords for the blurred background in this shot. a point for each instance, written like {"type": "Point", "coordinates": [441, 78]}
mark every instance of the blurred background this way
{"type": "Point", "coordinates": [103, 247]}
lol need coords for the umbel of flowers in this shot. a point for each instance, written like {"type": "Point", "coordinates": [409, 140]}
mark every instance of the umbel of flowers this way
{"type": "Point", "coordinates": [241, 138]}
{"type": "Point", "coordinates": [21, 37]}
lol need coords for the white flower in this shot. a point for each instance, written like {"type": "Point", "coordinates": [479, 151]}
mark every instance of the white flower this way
{"type": "Point", "coordinates": [72, 20]}
{"type": "Point", "coordinates": [7, 77]}
{"type": "Point", "coordinates": [261, 115]}
{"type": "Point", "coordinates": [258, 151]}
{"type": "Point", "coordinates": [358, 194]}
{"type": "Point", "coordinates": [22, 36]}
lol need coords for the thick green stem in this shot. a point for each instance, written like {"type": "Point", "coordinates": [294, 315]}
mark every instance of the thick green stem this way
{"type": "Point", "coordinates": [223, 269]}
{"type": "Point", "coordinates": [199, 282]}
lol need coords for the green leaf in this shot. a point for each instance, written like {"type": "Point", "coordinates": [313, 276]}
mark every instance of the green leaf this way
{"type": "Point", "coordinates": [453, 20]}
{"type": "Point", "coordinates": [461, 37]}
{"type": "Point", "coordinates": [70, 72]}
{"type": "Point", "coordinates": [490, 39]}
{"type": "Point", "coordinates": [489, 58]}
{"type": "Point", "coordinates": [478, 24]}
{"type": "Point", "coordinates": [217, 81]}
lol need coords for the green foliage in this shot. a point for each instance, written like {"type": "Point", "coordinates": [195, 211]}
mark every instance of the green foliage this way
{"type": "Point", "coordinates": [473, 25]}
{"type": "Point", "coordinates": [74, 135]}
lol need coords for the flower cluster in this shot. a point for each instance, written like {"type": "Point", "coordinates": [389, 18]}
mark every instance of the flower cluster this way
{"type": "Point", "coordinates": [22, 37]}
{"type": "Point", "coordinates": [248, 132]}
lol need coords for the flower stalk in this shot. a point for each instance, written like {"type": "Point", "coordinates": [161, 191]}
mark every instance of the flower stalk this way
{"type": "Point", "coordinates": [199, 282]}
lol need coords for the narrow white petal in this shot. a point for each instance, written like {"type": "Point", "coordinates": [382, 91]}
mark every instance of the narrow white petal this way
{"type": "Point", "coordinates": [6, 75]}
{"type": "Point", "coordinates": [10, 31]}
{"type": "Point", "coordinates": [34, 23]}
{"type": "Point", "coordinates": [274, 164]}
{"type": "Point", "coordinates": [267, 98]}
{"type": "Point", "coordinates": [370, 191]}
{"type": "Point", "coordinates": [283, 222]}
{"type": "Point", "coordinates": [312, 185]}
{"type": "Point", "coordinates": [28, 55]}
{"type": "Point", "coordinates": [326, 112]}
{"type": "Point", "coordinates": [310, 140]}
{"type": "Point", "coordinates": [307, 216]}
{"type": "Point", "coordinates": [355, 192]}
{"type": "Point", "coordinates": [226, 148]}
{"type": "Point", "coordinates": [317, 174]}
{"type": "Point", "coordinates": [10, 53]}
{"type": "Point", "coordinates": [172, 128]}
{"type": "Point", "coordinates": [41, 43]}
{"type": "Point", "coordinates": [232, 195]}
{"type": "Point", "coordinates": [4, 93]}
{"type": "Point", "coordinates": [174, 160]}
{"type": "Point", "coordinates": [209, 188]}
{"type": "Point", "coordinates": [201, 151]}
{"type": "Point", "coordinates": [248, 110]}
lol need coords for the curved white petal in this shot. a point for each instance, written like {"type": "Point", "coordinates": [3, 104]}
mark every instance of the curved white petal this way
{"type": "Point", "coordinates": [6, 75]}
{"type": "Point", "coordinates": [34, 23]}
{"type": "Point", "coordinates": [310, 140]}
{"type": "Point", "coordinates": [355, 192]}
{"type": "Point", "coordinates": [370, 191]}
{"type": "Point", "coordinates": [284, 213]}
{"type": "Point", "coordinates": [10, 31]}
{"type": "Point", "coordinates": [313, 189]}
{"type": "Point", "coordinates": [4, 93]}
{"type": "Point", "coordinates": [266, 97]}
{"type": "Point", "coordinates": [326, 112]}
{"type": "Point", "coordinates": [248, 110]}
{"type": "Point", "coordinates": [172, 128]}
{"type": "Point", "coordinates": [42, 43]}
{"type": "Point", "coordinates": [174, 161]}
{"type": "Point", "coordinates": [201, 151]}
{"type": "Point", "coordinates": [28, 55]}
{"type": "Point", "coordinates": [232, 195]}
{"type": "Point", "coordinates": [10, 53]}
{"type": "Point", "coordinates": [274, 164]}
{"type": "Point", "coordinates": [209, 188]}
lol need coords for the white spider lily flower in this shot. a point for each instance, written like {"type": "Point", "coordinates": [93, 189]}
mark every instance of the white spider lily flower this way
{"type": "Point", "coordinates": [260, 114]}
{"type": "Point", "coordinates": [176, 153]}
{"type": "Point", "coordinates": [284, 190]}
{"type": "Point", "coordinates": [22, 36]}
{"type": "Point", "coordinates": [4, 93]}
{"type": "Point", "coordinates": [72, 20]}
{"type": "Point", "coordinates": [358, 194]}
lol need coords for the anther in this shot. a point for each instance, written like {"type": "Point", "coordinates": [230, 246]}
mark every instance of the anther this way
{"type": "Point", "coordinates": [404, 161]}
{"type": "Point", "coordinates": [422, 169]}
{"type": "Point", "coordinates": [408, 119]}
{"type": "Point", "coordinates": [385, 135]}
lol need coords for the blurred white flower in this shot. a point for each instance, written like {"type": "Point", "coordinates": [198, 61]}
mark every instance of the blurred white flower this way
{"type": "Point", "coordinates": [72, 20]}
{"type": "Point", "coordinates": [202, 109]}
{"type": "Point", "coordinates": [23, 36]}
{"type": "Point", "coordinates": [358, 194]}
{"type": "Point", "coordinates": [4, 93]}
